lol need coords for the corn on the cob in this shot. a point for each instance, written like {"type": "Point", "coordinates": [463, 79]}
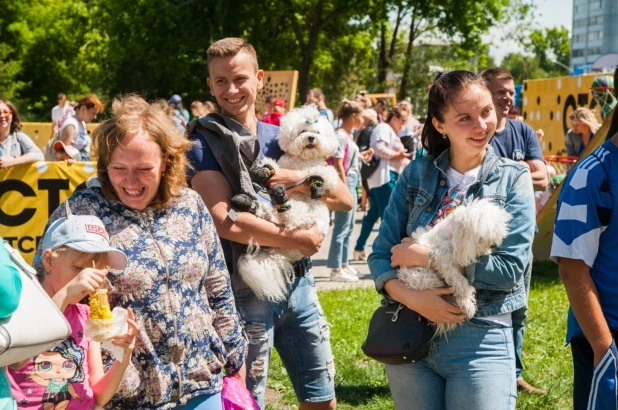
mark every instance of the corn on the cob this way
{"type": "Point", "coordinates": [99, 305]}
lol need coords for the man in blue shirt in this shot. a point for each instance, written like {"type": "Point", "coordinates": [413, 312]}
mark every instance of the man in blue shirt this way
{"type": "Point", "coordinates": [585, 246]}
{"type": "Point", "coordinates": [517, 141]}
{"type": "Point", "coordinates": [296, 327]}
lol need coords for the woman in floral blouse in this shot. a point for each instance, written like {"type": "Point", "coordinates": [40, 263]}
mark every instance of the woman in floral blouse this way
{"type": "Point", "coordinates": [176, 280]}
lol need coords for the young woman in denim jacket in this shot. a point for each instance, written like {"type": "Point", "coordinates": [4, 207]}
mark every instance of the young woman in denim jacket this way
{"type": "Point", "coordinates": [474, 366]}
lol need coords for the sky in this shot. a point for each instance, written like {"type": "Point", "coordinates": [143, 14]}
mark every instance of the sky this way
{"type": "Point", "coordinates": [548, 13]}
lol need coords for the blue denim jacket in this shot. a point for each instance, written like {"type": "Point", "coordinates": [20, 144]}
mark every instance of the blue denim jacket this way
{"type": "Point", "coordinates": [498, 278]}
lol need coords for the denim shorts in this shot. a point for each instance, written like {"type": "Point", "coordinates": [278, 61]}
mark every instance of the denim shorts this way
{"type": "Point", "coordinates": [298, 330]}
{"type": "Point", "coordinates": [472, 368]}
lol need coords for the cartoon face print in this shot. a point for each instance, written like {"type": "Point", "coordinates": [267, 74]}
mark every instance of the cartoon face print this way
{"type": "Point", "coordinates": [51, 365]}
{"type": "Point", "coordinates": [57, 370]}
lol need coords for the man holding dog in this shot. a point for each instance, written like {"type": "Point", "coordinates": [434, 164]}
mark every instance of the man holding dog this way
{"type": "Point", "coordinates": [517, 141]}
{"type": "Point", "coordinates": [296, 327]}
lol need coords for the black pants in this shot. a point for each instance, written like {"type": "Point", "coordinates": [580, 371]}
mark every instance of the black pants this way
{"type": "Point", "coordinates": [583, 369]}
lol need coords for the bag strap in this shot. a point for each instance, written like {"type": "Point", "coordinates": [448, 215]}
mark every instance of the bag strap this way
{"type": "Point", "coordinates": [19, 261]}
{"type": "Point", "coordinates": [487, 168]}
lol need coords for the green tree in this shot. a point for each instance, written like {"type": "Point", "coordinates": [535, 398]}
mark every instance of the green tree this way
{"type": "Point", "coordinates": [550, 46]}
{"type": "Point", "coordinates": [523, 67]}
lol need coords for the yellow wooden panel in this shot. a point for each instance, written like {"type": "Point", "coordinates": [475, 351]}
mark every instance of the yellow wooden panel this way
{"type": "Point", "coordinates": [548, 102]}
{"type": "Point", "coordinates": [279, 84]}
{"type": "Point", "coordinates": [40, 132]}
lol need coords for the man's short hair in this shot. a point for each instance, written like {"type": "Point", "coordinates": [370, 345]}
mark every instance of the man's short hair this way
{"type": "Point", "coordinates": [496, 73]}
{"type": "Point", "coordinates": [317, 93]}
{"type": "Point", "coordinates": [61, 96]}
{"type": "Point", "coordinates": [229, 47]}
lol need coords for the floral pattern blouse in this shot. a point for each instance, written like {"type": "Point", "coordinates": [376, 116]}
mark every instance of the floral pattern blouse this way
{"type": "Point", "coordinates": [178, 286]}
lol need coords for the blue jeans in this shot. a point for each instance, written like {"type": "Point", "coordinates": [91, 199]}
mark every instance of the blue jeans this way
{"type": "Point", "coordinates": [339, 252]}
{"type": "Point", "coordinates": [212, 402]}
{"type": "Point", "coordinates": [519, 316]}
{"type": "Point", "coordinates": [378, 199]}
{"type": "Point", "coordinates": [473, 368]}
{"type": "Point", "coordinates": [297, 328]}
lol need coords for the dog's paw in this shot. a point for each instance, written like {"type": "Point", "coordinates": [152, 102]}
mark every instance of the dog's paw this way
{"type": "Point", "coordinates": [468, 307]}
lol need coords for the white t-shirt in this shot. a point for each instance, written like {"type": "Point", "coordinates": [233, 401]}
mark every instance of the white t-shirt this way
{"type": "Point", "coordinates": [82, 140]}
{"type": "Point", "coordinates": [60, 114]}
{"type": "Point", "coordinates": [461, 182]}
{"type": "Point", "coordinates": [383, 132]}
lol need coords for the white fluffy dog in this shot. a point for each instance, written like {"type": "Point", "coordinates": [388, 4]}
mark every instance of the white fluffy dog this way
{"type": "Point", "coordinates": [470, 231]}
{"type": "Point", "coordinates": [307, 139]}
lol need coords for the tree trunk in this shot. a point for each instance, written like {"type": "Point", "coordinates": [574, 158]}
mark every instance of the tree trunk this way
{"type": "Point", "coordinates": [405, 78]}
{"type": "Point", "coordinates": [303, 77]}
{"type": "Point", "coordinates": [382, 61]}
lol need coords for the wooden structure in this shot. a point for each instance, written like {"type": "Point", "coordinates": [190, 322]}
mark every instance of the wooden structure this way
{"type": "Point", "coordinates": [548, 102]}
{"type": "Point", "coordinates": [278, 84]}
{"type": "Point", "coordinates": [387, 97]}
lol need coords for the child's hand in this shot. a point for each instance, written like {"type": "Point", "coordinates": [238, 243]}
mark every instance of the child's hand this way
{"type": "Point", "coordinates": [85, 283]}
{"type": "Point", "coordinates": [127, 341]}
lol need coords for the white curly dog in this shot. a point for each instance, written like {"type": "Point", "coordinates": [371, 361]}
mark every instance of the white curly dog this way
{"type": "Point", "coordinates": [307, 139]}
{"type": "Point", "coordinates": [470, 231]}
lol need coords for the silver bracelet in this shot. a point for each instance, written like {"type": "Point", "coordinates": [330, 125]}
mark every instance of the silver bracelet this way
{"type": "Point", "coordinates": [430, 259]}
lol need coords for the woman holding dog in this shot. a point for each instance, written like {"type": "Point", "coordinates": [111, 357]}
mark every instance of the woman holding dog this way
{"type": "Point", "coordinates": [176, 280]}
{"type": "Point", "coordinates": [474, 366]}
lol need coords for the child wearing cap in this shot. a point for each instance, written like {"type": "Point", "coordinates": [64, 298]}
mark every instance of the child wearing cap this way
{"type": "Point", "coordinates": [71, 375]}
{"type": "Point", "coordinates": [274, 117]}
{"type": "Point", "coordinates": [66, 153]}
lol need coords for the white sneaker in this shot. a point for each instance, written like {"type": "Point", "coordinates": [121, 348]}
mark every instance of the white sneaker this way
{"type": "Point", "coordinates": [341, 276]}
{"type": "Point", "coordinates": [359, 256]}
{"type": "Point", "coordinates": [351, 271]}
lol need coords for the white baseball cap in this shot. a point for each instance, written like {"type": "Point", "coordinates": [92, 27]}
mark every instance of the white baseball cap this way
{"type": "Point", "coordinates": [84, 233]}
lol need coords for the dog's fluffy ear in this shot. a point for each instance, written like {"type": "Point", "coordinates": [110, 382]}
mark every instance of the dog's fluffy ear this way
{"type": "Point", "coordinates": [329, 141]}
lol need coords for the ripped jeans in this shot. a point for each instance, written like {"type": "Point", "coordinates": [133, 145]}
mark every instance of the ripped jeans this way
{"type": "Point", "coordinates": [298, 330]}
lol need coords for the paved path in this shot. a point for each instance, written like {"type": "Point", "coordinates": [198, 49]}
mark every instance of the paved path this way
{"type": "Point", "coordinates": [322, 273]}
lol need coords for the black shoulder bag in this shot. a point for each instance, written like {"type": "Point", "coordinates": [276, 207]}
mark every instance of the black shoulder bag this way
{"type": "Point", "coordinates": [397, 335]}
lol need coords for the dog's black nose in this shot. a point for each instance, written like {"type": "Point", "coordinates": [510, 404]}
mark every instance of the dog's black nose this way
{"type": "Point", "coordinates": [310, 139]}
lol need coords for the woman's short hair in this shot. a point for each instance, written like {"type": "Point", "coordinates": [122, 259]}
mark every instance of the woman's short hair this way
{"type": "Point", "coordinates": [16, 116]}
{"type": "Point", "coordinates": [405, 105]}
{"type": "Point", "coordinates": [89, 102]}
{"type": "Point", "coordinates": [587, 117]}
{"type": "Point", "coordinates": [131, 115]}
{"type": "Point", "coordinates": [349, 108]}
{"type": "Point", "coordinates": [445, 89]}
{"type": "Point", "coordinates": [394, 112]}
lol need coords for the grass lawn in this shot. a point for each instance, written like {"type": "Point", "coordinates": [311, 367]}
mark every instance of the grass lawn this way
{"type": "Point", "coordinates": [361, 383]}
